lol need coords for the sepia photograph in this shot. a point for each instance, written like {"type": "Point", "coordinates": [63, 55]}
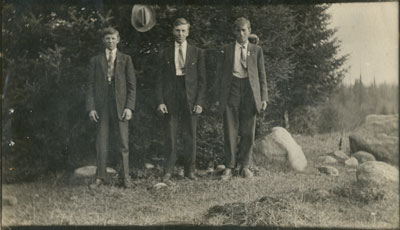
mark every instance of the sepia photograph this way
{"type": "Point", "coordinates": [199, 114]}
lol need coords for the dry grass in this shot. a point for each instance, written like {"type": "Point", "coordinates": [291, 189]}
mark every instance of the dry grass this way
{"type": "Point", "coordinates": [275, 197]}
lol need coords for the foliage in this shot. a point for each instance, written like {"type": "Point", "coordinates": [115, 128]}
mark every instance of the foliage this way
{"type": "Point", "coordinates": [47, 48]}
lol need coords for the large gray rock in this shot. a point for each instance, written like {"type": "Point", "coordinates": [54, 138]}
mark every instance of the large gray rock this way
{"type": "Point", "coordinates": [363, 156]}
{"type": "Point", "coordinates": [378, 136]}
{"type": "Point", "coordinates": [378, 174]}
{"type": "Point", "coordinates": [279, 146]}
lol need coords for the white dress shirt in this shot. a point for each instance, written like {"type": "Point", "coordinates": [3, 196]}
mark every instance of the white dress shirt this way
{"type": "Point", "coordinates": [114, 54]}
{"type": "Point", "coordinates": [180, 71]}
{"type": "Point", "coordinates": [238, 70]}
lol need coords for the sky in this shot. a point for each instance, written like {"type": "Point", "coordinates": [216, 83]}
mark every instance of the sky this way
{"type": "Point", "coordinates": [369, 34]}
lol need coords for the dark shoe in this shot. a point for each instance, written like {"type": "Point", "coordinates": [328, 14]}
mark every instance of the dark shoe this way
{"type": "Point", "coordinates": [247, 173]}
{"type": "Point", "coordinates": [227, 174]}
{"type": "Point", "coordinates": [128, 183]}
{"type": "Point", "coordinates": [191, 176]}
{"type": "Point", "coordinates": [166, 177]}
{"type": "Point", "coordinates": [96, 184]}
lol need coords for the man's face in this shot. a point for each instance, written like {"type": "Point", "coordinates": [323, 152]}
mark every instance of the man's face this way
{"type": "Point", "coordinates": [180, 33]}
{"type": "Point", "coordinates": [111, 41]}
{"type": "Point", "coordinates": [242, 33]}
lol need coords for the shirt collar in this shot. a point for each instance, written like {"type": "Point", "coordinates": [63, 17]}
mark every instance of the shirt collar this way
{"type": "Point", "coordinates": [114, 51]}
{"type": "Point", "coordinates": [245, 44]}
{"type": "Point", "coordinates": [184, 44]}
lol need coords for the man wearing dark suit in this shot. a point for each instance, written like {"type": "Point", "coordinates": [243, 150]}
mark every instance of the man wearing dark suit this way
{"type": "Point", "coordinates": [242, 93]}
{"type": "Point", "coordinates": [180, 92]}
{"type": "Point", "coordinates": [110, 102]}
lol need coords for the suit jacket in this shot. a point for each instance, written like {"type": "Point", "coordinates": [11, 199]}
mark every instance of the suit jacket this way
{"type": "Point", "coordinates": [195, 77]}
{"type": "Point", "coordinates": [125, 83]}
{"type": "Point", "coordinates": [256, 74]}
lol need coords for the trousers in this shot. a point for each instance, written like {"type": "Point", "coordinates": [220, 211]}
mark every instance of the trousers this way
{"type": "Point", "coordinates": [239, 120]}
{"type": "Point", "coordinates": [181, 114]}
{"type": "Point", "coordinates": [109, 123]}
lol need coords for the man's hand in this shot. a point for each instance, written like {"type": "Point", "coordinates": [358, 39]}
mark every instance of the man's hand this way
{"type": "Point", "coordinates": [127, 114]}
{"type": "Point", "coordinates": [197, 109]}
{"type": "Point", "coordinates": [93, 115]}
{"type": "Point", "coordinates": [162, 108]}
{"type": "Point", "coordinates": [264, 105]}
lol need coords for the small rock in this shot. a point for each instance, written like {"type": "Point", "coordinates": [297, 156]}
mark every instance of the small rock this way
{"type": "Point", "coordinates": [160, 185]}
{"type": "Point", "coordinates": [148, 166]}
{"type": "Point", "coordinates": [210, 170]}
{"type": "Point", "coordinates": [340, 155]}
{"type": "Point", "coordinates": [327, 160]}
{"type": "Point", "coordinates": [317, 195]}
{"type": "Point", "coordinates": [9, 200]}
{"type": "Point", "coordinates": [363, 156]}
{"type": "Point", "coordinates": [332, 171]}
{"type": "Point", "coordinates": [220, 168]}
{"type": "Point", "coordinates": [352, 162]}
{"type": "Point", "coordinates": [90, 171]}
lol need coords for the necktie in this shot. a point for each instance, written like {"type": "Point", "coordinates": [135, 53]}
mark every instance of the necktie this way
{"type": "Point", "coordinates": [110, 67]}
{"type": "Point", "coordinates": [181, 62]}
{"type": "Point", "coordinates": [243, 57]}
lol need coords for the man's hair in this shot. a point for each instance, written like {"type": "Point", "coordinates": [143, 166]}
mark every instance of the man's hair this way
{"type": "Point", "coordinates": [181, 21]}
{"type": "Point", "coordinates": [109, 30]}
{"type": "Point", "coordinates": [242, 21]}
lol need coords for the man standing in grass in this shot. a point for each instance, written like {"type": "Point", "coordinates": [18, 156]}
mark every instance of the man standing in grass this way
{"type": "Point", "coordinates": [110, 102]}
{"type": "Point", "coordinates": [242, 93]}
{"type": "Point", "coordinates": [181, 94]}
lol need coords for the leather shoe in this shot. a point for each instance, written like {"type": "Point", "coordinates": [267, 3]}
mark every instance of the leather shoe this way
{"type": "Point", "coordinates": [96, 184]}
{"type": "Point", "coordinates": [191, 176]}
{"type": "Point", "coordinates": [227, 174]}
{"type": "Point", "coordinates": [247, 173]}
{"type": "Point", "coordinates": [166, 177]}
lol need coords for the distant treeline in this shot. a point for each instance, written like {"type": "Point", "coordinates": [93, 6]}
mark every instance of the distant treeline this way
{"type": "Point", "coordinates": [349, 106]}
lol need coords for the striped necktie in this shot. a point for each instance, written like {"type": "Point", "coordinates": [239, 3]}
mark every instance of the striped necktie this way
{"type": "Point", "coordinates": [181, 62]}
{"type": "Point", "coordinates": [243, 56]}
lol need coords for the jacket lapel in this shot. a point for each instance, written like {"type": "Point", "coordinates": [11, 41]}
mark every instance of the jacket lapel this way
{"type": "Point", "coordinates": [251, 56]}
{"type": "Point", "coordinates": [189, 53]}
{"type": "Point", "coordinates": [104, 64]}
{"type": "Point", "coordinates": [117, 64]}
{"type": "Point", "coordinates": [231, 55]}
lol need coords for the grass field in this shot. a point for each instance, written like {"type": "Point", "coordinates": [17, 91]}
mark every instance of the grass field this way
{"type": "Point", "coordinates": [277, 196]}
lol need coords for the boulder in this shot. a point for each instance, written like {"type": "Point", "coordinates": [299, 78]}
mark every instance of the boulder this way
{"type": "Point", "coordinates": [327, 160]}
{"type": "Point", "coordinates": [279, 146]}
{"type": "Point", "coordinates": [378, 136]}
{"type": "Point", "coordinates": [90, 171]}
{"type": "Point", "coordinates": [378, 174]}
{"type": "Point", "coordinates": [352, 162]}
{"type": "Point", "coordinates": [363, 156]}
{"type": "Point", "coordinates": [332, 171]}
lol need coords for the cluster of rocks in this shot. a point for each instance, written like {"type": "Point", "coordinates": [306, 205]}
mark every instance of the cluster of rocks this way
{"type": "Point", "coordinates": [340, 157]}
